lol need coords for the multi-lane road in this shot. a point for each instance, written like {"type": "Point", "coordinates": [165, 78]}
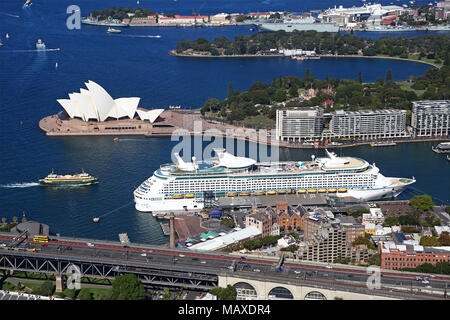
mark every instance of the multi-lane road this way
{"type": "Point", "coordinates": [216, 263]}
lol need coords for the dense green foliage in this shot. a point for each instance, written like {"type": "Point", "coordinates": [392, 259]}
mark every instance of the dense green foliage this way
{"type": "Point", "coordinates": [291, 248]}
{"type": "Point", "coordinates": [422, 202]}
{"type": "Point", "coordinates": [374, 260]}
{"type": "Point", "coordinates": [440, 267]}
{"type": "Point", "coordinates": [434, 47]}
{"type": "Point", "coordinates": [262, 100]}
{"type": "Point", "coordinates": [45, 289]}
{"type": "Point", "coordinates": [120, 13]}
{"type": "Point", "coordinates": [429, 241]}
{"type": "Point", "coordinates": [364, 241]}
{"type": "Point", "coordinates": [127, 287]}
{"type": "Point", "coordinates": [253, 244]}
{"type": "Point", "coordinates": [228, 293]}
{"type": "Point", "coordinates": [227, 222]}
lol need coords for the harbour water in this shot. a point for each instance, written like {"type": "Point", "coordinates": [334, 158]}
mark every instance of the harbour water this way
{"type": "Point", "coordinates": [134, 63]}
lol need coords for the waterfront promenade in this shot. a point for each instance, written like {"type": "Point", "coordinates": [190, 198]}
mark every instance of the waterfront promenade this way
{"type": "Point", "coordinates": [278, 55]}
{"type": "Point", "coordinates": [186, 122]}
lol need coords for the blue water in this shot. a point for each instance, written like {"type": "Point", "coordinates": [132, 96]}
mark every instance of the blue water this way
{"type": "Point", "coordinates": [130, 64]}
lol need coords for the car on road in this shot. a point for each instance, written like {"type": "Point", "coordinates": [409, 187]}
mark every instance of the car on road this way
{"type": "Point", "coordinates": [425, 281]}
{"type": "Point", "coordinates": [44, 245]}
{"type": "Point", "coordinates": [203, 262]}
{"type": "Point", "coordinates": [181, 255]}
{"type": "Point", "coordinates": [195, 259]}
{"type": "Point", "coordinates": [2, 244]}
{"type": "Point", "coordinates": [329, 267]}
{"type": "Point", "coordinates": [143, 254]}
{"type": "Point", "coordinates": [256, 270]}
{"type": "Point", "coordinates": [296, 271]}
{"type": "Point", "coordinates": [69, 248]}
{"type": "Point", "coordinates": [429, 287]}
{"type": "Point", "coordinates": [90, 244]}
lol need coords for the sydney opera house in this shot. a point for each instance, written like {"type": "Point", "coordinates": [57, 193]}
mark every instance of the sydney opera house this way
{"type": "Point", "coordinates": [95, 104]}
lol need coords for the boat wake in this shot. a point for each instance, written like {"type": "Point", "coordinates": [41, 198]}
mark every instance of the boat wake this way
{"type": "Point", "coordinates": [32, 50]}
{"type": "Point", "coordinates": [9, 15]}
{"type": "Point", "coordinates": [137, 36]}
{"type": "Point", "coordinates": [19, 185]}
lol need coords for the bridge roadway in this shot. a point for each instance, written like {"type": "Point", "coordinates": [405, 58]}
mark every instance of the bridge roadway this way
{"type": "Point", "coordinates": [158, 265]}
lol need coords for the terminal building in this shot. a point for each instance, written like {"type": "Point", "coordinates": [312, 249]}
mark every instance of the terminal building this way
{"type": "Point", "coordinates": [431, 118]}
{"type": "Point", "coordinates": [296, 124]}
{"type": "Point", "coordinates": [368, 124]}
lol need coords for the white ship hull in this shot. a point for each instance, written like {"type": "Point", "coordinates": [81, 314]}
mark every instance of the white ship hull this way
{"type": "Point", "coordinates": [181, 187]}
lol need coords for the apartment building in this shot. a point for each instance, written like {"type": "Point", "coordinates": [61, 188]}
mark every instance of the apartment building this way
{"type": "Point", "coordinates": [368, 124]}
{"type": "Point", "coordinates": [296, 124]}
{"type": "Point", "coordinates": [431, 118]}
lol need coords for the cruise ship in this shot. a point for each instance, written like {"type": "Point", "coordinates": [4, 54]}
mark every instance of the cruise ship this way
{"type": "Point", "coordinates": [188, 185]}
{"type": "Point", "coordinates": [302, 24]}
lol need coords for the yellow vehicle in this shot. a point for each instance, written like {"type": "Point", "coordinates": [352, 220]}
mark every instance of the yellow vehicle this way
{"type": "Point", "coordinates": [231, 194]}
{"type": "Point", "coordinates": [259, 193]}
{"type": "Point", "coordinates": [40, 239]}
{"type": "Point", "coordinates": [281, 191]}
{"type": "Point", "coordinates": [342, 190]}
{"type": "Point", "coordinates": [322, 190]}
{"type": "Point", "coordinates": [332, 190]}
{"type": "Point", "coordinates": [312, 191]}
{"type": "Point", "coordinates": [301, 191]}
{"type": "Point", "coordinates": [271, 192]}
{"type": "Point", "coordinates": [244, 193]}
{"type": "Point", "coordinates": [31, 250]}
{"type": "Point", "coordinates": [190, 195]}
{"type": "Point", "coordinates": [178, 196]}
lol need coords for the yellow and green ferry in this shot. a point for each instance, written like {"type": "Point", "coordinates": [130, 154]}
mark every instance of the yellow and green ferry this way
{"type": "Point", "coordinates": [68, 180]}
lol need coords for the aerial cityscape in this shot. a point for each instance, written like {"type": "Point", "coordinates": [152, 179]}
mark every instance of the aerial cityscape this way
{"type": "Point", "coordinates": [224, 150]}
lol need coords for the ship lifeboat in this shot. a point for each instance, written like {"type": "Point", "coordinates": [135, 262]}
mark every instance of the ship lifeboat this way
{"type": "Point", "coordinates": [332, 190]}
{"type": "Point", "coordinates": [290, 191]}
{"type": "Point", "coordinates": [342, 190]}
{"type": "Point", "coordinates": [271, 192]}
{"type": "Point", "coordinates": [301, 190]}
{"type": "Point", "coordinates": [231, 194]}
{"type": "Point", "coordinates": [178, 196]}
{"type": "Point", "coordinates": [281, 191]}
{"type": "Point", "coordinates": [190, 195]}
{"type": "Point", "coordinates": [322, 190]}
{"type": "Point", "coordinates": [312, 191]}
{"type": "Point", "coordinates": [244, 193]}
{"type": "Point", "coordinates": [259, 193]}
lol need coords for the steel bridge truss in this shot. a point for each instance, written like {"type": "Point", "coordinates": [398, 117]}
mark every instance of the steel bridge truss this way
{"type": "Point", "coordinates": [106, 269]}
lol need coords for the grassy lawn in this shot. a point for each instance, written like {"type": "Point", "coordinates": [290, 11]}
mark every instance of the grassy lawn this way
{"type": "Point", "coordinates": [33, 286]}
{"type": "Point", "coordinates": [259, 120]}
{"type": "Point", "coordinates": [99, 293]}
{"type": "Point", "coordinates": [34, 276]}
{"type": "Point", "coordinates": [8, 286]}
{"type": "Point", "coordinates": [425, 59]}
{"type": "Point", "coordinates": [407, 86]}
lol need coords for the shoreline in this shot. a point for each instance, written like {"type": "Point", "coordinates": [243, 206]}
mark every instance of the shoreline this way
{"type": "Point", "coordinates": [173, 122]}
{"type": "Point", "coordinates": [278, 55]}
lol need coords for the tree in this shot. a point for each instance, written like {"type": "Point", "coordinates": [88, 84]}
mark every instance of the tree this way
{"type": "Point", "coordinates": [230, 91]}
{"type": "Point", "coordinates": [46, 288]}
{"type": "Point", "coordinates": [444, 238]}
{"type": "Point", "coordinates": [15, 219]}
{"type": "Point", "coordinates": [389, 75]}
{"type": "Point", "coordinates": [422, 203]}
{"type": "Point", "coordinates": [429, 241]}
{"type": "Point", "coordinates": [228, 293]}
{"type": "Point", "coordinates": [84, 294]}
{"type": "Point", "coordinates": [127, 287]}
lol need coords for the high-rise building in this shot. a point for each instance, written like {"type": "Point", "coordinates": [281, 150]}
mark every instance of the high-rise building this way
{"type": "Point", "coordinates": [369, 124]}
{"type": "Point", "coordinates": [295, 124]}
{"type": "Point", "coordinates": [431, 118]}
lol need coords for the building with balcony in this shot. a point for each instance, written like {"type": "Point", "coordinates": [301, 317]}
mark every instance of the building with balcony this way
{"type": "Point", "coordinates": [431, 118]}
{"type": "Point", "coordinates": [296, 124]}
{"type": "Point", "coordinates": [368, 124]}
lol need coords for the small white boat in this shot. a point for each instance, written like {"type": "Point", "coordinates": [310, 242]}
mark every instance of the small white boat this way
{"type": "Point", "coordinates": [112, 30]}
{"type": "Point", "coordinates": [27, 3]}
{"type": "Point", "coordinates": [40, 45]}
{"type": "Point", "coordinates": [56, 65]}
{"type": "Point", "coordinates": [96, 219]}
{"type": "Point", "coordinates": [7, 36]}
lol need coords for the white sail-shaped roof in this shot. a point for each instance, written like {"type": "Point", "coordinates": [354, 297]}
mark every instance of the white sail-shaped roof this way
{"type": "Point", "coordinates": [96, 104]}
{"type": "Point", "coordinates": [150, 115]}
{"type": "Point", "coordinates": [67, 104]}
{"type": "Point", "coordinates": [103, 101]}
{"type": "Point", "coordinates": [87, 105]}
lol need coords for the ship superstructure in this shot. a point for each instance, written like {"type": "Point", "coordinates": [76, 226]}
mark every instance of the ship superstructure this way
{"type": "Point", "coordinates": [186, 185]}
{"type": "Point", "coordinates": [301, 24]}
